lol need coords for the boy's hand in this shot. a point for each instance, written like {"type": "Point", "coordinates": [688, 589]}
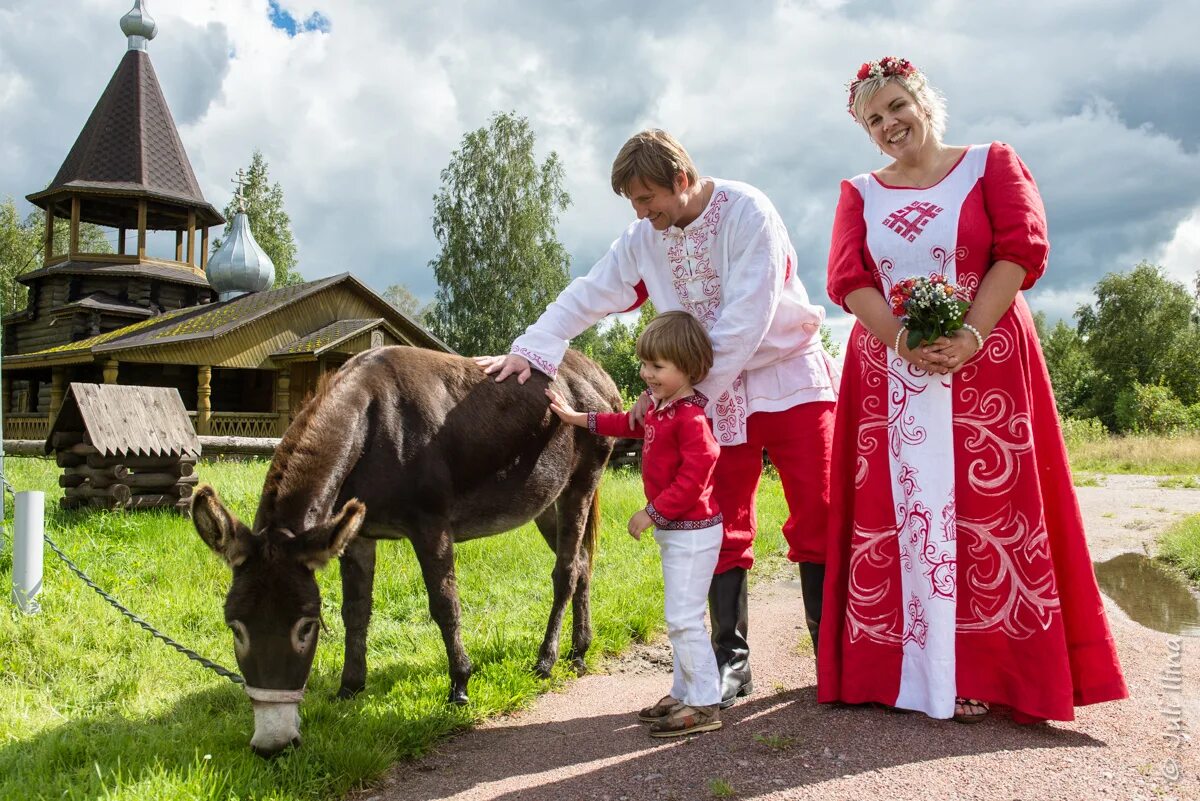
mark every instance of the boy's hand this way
{"type": "Point", "coordinates": [559, 405]}
{"type": "Point", "coordinates": [639, 523]}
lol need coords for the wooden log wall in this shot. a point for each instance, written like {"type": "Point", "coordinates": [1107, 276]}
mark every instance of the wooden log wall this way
{"type": "Point", "coordinates": [121, 481]}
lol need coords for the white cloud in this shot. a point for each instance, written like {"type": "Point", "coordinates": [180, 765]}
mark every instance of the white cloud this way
{"type": "Point", "coordinates": [1181, 256]}
{"type": "Point", "coordinates": [357, 122]}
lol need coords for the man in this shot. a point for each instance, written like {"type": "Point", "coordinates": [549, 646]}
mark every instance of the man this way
{"type": "Point", "coordinates": [718, 250]}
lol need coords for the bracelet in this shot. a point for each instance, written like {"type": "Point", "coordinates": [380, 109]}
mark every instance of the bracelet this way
{"type": "Point", "coordinates": [896, 345]}
{"type": "Point", "coordinates": [975, 332]}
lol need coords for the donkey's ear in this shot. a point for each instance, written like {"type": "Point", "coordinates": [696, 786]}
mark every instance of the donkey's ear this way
{"type": "Point", "coordinates": [219, 528]}
{"type": "Point", "coordinates": [326, 541]}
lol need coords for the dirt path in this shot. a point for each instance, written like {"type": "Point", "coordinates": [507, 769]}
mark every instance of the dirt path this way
{"type": "Point", "coordinates": [584, 742]}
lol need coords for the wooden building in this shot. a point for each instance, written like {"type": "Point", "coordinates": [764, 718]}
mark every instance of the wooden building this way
{"type": "Point", "coordinates": [241, 360]}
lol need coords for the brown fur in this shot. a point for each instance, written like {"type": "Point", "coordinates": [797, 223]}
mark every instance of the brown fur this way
{"type": "Point", "coordinates": [438, 453]}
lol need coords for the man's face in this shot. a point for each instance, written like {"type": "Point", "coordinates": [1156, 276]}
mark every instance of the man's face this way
{"type": "Point", "coordinates": [661, 205]}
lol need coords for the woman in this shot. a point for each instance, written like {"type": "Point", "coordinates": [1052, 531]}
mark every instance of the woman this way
{"type": "Point", "coordinates": [958, 573]}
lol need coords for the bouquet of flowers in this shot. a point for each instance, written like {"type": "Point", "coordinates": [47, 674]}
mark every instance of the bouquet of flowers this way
{"type": "Point", "coordinates": [930, 308]}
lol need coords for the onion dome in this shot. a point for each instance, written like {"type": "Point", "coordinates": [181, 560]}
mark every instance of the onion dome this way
{"type": "Point", "coordinates": [139, 26]}
{"type": "Point", "coordinates": [240, 266]}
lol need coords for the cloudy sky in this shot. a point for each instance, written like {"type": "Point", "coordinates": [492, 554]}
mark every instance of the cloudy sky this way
{"type": "Point", "coordinates": [358, 104]}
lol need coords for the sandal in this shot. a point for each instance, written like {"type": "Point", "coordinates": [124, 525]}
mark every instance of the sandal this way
{"type": "Point", "coordinates": [970, 710]}
{"type": "Point", "coordinates": [658, 710]}
{"type": "Point", "coordinates": [685, 719]}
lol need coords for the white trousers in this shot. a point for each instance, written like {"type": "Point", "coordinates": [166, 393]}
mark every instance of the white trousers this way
{"type": "Point", "coordinates": [688, 561]}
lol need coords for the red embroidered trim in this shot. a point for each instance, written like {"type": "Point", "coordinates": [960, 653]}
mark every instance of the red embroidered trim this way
{"type": "Point", "coordinates": [540, 362]}
{"type": "Point", "coordinates": [592, 422]}
{"type": "Point", "coordinates": [681, 525]}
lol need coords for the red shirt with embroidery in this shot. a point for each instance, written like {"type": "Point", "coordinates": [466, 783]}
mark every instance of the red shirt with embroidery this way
{"type": "Point", "coordinates": [679, 455]}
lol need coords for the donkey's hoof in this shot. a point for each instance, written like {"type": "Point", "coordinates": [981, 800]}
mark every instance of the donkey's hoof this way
{"type": "Point", "coordinates": [348, 691]}
{"type": "Point", "coordinates": [458, 697]}
{"type": "Point", "coordinates": [543, 669]}
{"type": "Point", "coordinates": [579, 665]}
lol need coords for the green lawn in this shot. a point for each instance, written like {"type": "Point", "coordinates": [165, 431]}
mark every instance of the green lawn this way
{"type": "Point", "coordinates": [93, 707]}
{"type": "Point", "coordinates": [1180, 546]}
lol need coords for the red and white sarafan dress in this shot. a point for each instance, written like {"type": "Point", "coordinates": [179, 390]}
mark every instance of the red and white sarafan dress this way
{"type": "Point", "coordinates": [957, 564]}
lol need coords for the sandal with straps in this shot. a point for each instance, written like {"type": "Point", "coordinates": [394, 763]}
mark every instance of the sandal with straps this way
{"type": "Point", "coordinates": [658, 710]}
{"type": "Point", "coordinates": [970, 710]}
{"type": "Point", "coordinates": [686, 719]}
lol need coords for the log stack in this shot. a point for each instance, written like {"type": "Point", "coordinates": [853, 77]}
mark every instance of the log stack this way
{"type": "Point", "coordinates": [124, 448]}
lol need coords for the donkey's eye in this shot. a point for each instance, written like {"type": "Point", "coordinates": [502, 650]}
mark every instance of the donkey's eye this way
{"type": "Point", "coordinates": [304, 634]}
{"type": "Point", "coordinates": [241, 638]}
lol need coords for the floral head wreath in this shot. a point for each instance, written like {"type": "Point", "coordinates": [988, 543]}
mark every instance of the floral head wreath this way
{"type": "Point", "coordinates": [886, 67]}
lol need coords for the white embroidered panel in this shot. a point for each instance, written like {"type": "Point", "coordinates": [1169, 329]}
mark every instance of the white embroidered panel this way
{"type": "Point", "coordinates": [914, 232]}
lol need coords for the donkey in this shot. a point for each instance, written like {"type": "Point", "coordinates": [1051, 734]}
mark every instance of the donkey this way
{"type": "Point", "coordinates": [404, 443]}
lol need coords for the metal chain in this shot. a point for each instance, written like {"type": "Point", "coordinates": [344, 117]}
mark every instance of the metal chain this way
{"type": "Point", "coordinates": [190, 654]}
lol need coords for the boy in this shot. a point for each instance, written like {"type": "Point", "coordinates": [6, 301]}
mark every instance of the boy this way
{"type": "Point", "coordinates": [679, 455]}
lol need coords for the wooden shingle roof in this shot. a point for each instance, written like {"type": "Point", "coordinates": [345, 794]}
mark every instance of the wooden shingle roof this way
{"type": "Point", "coordinates": [328, 337]}
{"type": "Point", "coordinates": [142, 421]}
{"type": "Point", "coordinates": [130, 146]}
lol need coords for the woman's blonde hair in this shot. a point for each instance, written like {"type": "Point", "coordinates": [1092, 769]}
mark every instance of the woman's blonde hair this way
{"type": "Point", "coordinates": [928, 99]}
{"type": "Point", "coordinates": [677, 337]}
{"type": "Point", "coordinates": [654, 156]}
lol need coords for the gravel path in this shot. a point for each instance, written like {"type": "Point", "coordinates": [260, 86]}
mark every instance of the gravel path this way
{"type": "Point", "coordinates": [584, 743]}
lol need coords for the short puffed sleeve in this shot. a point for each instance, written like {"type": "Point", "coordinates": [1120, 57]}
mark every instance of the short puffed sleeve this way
{"type": "Point", "coordinates": [1015, 209]}
{"type": "Point", "coordinates": [850, 267]}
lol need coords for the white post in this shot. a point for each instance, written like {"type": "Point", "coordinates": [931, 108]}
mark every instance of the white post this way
{"type": "Point", "coordinates": [28, 538]}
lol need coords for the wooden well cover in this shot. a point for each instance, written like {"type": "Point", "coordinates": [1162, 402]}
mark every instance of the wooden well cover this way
{"type": "Point", "coordinates": [142, 421]}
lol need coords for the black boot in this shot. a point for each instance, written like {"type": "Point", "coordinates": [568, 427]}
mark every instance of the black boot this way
{"type": "Point", "coordinates": [812, 587]}
{"type": "Point", "coordinates": [728, 612]}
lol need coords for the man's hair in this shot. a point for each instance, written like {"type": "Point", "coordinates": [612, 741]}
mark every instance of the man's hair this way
{"type": "Point", "coordinates": [677, 337]}
{"type": "Point", "coordinates": [654, 156]}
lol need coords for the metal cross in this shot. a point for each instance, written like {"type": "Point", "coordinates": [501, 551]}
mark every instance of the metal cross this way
{"type": "Point", "coordinates": [241, 182]}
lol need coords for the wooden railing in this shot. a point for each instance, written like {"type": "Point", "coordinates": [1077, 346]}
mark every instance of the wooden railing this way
{"type": "Point", "coordinates": [243, 424]}
{"type": "Point", "coordinates": [26, 426]}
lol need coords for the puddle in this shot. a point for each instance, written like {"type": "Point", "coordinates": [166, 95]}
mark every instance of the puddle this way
{"type": "Point", "coordinates": [1150, 594]}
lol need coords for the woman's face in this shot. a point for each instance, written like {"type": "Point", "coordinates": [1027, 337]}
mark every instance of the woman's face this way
{"type": "Point", "coordinates": [897, 125]}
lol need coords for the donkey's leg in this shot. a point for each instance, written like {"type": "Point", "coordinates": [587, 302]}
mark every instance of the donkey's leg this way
{"type": "Point", "coordinates": [588, 521]}
{"type": "Point", "coordinates": [568, 569]}
{"type": "Point", "coordinates": [435, 553]}
{"type": "Point", "coordinates": [358, 580]}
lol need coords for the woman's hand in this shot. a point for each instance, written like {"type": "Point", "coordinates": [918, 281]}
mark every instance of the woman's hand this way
{"type": "Point", "coordinates": [919, 358]}
{"type": "Point", "coordinates": [638, 523]}
{"type": "Point", "coordinates": [559, 405]}
{"type": "Point", "coordinates": [949, 354]}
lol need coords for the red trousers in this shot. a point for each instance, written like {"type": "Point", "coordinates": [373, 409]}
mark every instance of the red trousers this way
{"type": "Point", "coordinates": [798, 441]}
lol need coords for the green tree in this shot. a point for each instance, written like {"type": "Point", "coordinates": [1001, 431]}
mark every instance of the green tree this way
{"type": "Point", "coordinates": [22, 247]}
{"type": "Point", "coordinates": [268, 220]}
{"type": "Point", "coordinates": [404, 300]}
{"type": "Point", "coordinates": [1139, 331]}
{"type": "Point", "coordinates": [500, 263]}
{"type": "Point", "coordinates": [614, 348]}
{"type": "Point", "coordinates": [831, 347]}
{"type": "Point", "coordinates": [1072, 373]}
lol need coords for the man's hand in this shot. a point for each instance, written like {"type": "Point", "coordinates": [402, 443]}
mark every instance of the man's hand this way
{"type": "Point", "coordinates": [506, 366]}
{"type": "Point", "coordinates": [559, 405]}
{"type": "Point", "coordinates": [638, 523]}
{"type": "Point", "coordinates": [637, 415]}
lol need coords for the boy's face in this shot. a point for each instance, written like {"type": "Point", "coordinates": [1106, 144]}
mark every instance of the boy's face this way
{"type": "Point", "coordinates": [663, 378]}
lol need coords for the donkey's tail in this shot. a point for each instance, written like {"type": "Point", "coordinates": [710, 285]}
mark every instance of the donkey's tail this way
{"type": "Point", "coordinates": [591, 531]}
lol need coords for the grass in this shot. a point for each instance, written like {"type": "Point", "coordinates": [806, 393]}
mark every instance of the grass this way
{"type": "Point", "coordinates": [720, 788]}
{"type": "Point", "coordinates": [1180, 482]}
{"type": "Point", "coordinates": [1180, 546]}
{"type": "Point", "coordinates": [93, 707]}
{"type": "Point", "coordinates": [1144, 455]}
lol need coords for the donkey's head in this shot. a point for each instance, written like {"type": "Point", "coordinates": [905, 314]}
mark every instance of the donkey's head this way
{"type": "Point", "coordinates": [274, 607]}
